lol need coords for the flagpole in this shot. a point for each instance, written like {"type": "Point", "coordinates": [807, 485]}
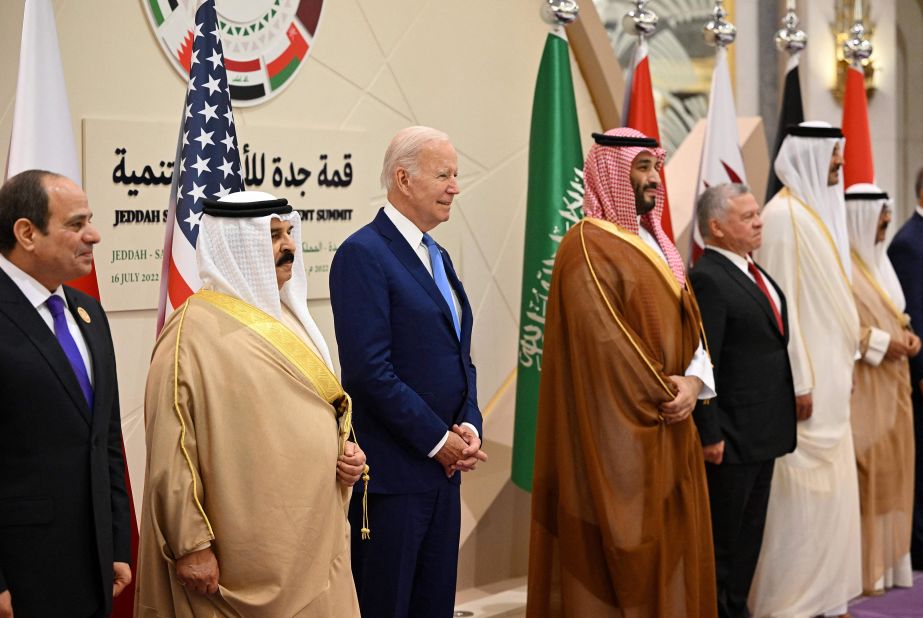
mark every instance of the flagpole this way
{"type": "Point", "coordinates": [790, 39]}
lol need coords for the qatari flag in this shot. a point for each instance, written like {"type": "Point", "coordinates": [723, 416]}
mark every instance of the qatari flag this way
{"type": "Point", "coordinates": [790, 113]}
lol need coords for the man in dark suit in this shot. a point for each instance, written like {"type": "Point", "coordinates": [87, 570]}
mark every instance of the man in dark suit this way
{"type": "Point", "coordinates": [752, 420]}
{"type": "Point", "coordinates": [64, 516]}
{"type": "Point", "coordinates": [906, 255]}
{"type": "Point", "coordinates": [403, 327]}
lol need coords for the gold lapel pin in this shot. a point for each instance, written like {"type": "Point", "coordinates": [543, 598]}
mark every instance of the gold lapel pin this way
{"type": "Point", "coordinates": [83, 314]}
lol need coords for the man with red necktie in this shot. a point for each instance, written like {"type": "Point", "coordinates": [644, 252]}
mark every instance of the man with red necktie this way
{"type": "Point", "coordinates": [752, 420]}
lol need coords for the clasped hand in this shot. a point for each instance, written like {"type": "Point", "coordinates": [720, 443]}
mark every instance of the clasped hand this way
{"type": "Point", "coordinates": [461, 451]}
{"type": "Point", "coordinates": [681, 406]}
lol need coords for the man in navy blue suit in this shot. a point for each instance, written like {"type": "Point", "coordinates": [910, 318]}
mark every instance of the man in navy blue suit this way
{"type": "Point", "coordinates": [403, 327]}
{"type": "Point", "coordinates": [906, 255]}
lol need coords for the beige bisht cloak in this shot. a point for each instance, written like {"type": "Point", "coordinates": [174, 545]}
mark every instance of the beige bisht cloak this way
{"type": "Point", "coordinates": [620, 518]}
{"type": "Point", "coordinates": [241, 455]}
{"type": "Point", "coordinates": [810, 561]}
{"type": "Point", "coordinates": [882, 424]}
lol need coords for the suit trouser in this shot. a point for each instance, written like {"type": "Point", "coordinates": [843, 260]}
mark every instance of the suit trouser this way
{"type": "Point", "coordinates": [408, 567]}
{"type": "Point", "coordinates": [739, 497]}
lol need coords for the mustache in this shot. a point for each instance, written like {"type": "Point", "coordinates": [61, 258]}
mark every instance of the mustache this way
{"type": "Point", "coordinates": [287, 257]}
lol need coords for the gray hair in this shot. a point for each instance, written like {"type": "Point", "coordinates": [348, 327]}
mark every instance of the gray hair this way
{"type": "Point", "coordinates": [713, 203]}
{"type": "Point", "coordinates": [404, 151]}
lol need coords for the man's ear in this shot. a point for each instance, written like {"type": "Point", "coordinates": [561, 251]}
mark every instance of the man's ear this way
{"type": "Point", "coordinates": [714, 231]}
{"type": "Point", "coordinates": [25, 231]}
{"type": "Point", "coordinates": [402, 180]}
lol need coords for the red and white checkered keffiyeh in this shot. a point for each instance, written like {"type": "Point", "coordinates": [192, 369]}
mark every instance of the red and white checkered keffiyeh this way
{"type": "Point", "coordinates": [608, 193]}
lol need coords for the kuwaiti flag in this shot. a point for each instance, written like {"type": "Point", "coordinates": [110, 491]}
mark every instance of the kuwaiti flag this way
{"type": "Point", "coordinates": [721, 159]}
{"type": "Point", "coordinates": [207, 160]}
{"type": "Point", "coordinates": [791, 112]}
{"type": "Point", "coordinates": [858, 165]}
{"type": "Point", "coordinates": [43, 138]}
{"type": "Point", "coordinates": [641, 114]}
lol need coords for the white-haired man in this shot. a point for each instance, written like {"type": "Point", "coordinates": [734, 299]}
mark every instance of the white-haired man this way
{"type": "Point", "coordinates": [247, 458]}
{"type": "Point", "coordinates": [403, 327]}
{"type": "Point", "coordinates": [810, 561]}
{"type": "Point", "coordinates": [882, 412]}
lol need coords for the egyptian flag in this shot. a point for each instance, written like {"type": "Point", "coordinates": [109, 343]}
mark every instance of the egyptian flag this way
{"type": "Point", "coordinates": [791, 113]}
{"type": "Point", "coordinates": [858, 165]}
{"type": "Point", "coordinates": [641, 114]}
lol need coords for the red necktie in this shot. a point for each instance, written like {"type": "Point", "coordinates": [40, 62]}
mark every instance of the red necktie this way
{"type": "Point", "coordinates": [761, 284]}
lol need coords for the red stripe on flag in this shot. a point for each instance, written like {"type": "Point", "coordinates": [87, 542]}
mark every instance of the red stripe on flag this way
{"type": "Point", "coordinates": [642, 115]}
{"type": "Point", "coordinates": [242, 66]}
{"type": "Point", "coordinates": [858, 164]}
{"type": "Point", "coordinates": [177, 288]}
{"type": "Point", "coordinates": [297, 47]}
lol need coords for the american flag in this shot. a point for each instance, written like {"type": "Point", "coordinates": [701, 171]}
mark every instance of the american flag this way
{"type": "Point", "coordinates": [207, 160]}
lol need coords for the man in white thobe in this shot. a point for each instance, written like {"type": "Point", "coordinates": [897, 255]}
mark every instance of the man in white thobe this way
{"type": "Point", "coordinates": [810, 561]}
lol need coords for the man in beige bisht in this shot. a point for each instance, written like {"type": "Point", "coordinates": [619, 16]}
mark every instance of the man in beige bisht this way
{"type": "Point", "coordinates": [882, 412]}
{"type": "Point", "coordinates": [245, 494]}
{"type": "Point", "coordinates": [810, 562]}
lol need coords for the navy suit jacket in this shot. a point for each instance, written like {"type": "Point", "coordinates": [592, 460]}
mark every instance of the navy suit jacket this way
{"type": "Point", "coordinates": [409, 375]}
{"type": "Point", "coordinates": [64, 514]}
{"type": "Point", "coordinates": [754, 412]}
{"type": "Point", "coordinates": [906, 255]}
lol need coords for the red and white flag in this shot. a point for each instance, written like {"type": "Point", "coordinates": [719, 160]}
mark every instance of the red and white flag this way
{"type": "Point", "coordinates": [721, 159]}
{"type": "Point", "coordinates": [207, 160]}
{"type": "Point", "coordinates": [858, 165]}
{"type": "Point", "coordinates": [640, 113]}
{"type": "Point", "coordinates": [43, 139]}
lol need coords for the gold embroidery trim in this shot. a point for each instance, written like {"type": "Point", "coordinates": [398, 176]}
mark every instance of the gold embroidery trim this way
{"type": "Point", "coordinates": [182, 422]}
{"type": "Point", "coordinates": [902, 318]}
{"type": "Point", "coordinates": [612, 310]}
{"type": "Point", "coordinates": [315, 370]}
{"type": "Point", "coordinates": [826, 232]}
{"type": "Point", "coordinates": [635, 241]}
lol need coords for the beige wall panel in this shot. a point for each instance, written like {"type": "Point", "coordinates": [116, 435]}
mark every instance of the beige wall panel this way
{"type": "Point", "coordinates": [390, 20]}
{"type": "Point", "coordinates": [355, 56]}
{"type": "Point", "coordinates": [508, 270]}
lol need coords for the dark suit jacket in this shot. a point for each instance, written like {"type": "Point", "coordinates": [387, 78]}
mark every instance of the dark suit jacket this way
{"type": "Point", "coordinates": [754, 412]}
{"type": "Point", "coordinates": [64, 516]}
{"type": "Point", "coordinates": [906, 255]}
{"type": "Point", "coordinates": [409, 375]}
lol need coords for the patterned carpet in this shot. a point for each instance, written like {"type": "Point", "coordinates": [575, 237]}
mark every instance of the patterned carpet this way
{"type": "Point", "coordinates": [896, 603]}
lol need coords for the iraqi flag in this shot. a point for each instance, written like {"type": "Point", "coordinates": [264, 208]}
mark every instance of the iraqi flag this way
{"type": "Point", "coordinates": [43, 138]}
{"type": "Point", "coordinates": [858, 165]}
{"type": "Point", "coordinates": [791, 112]}
{"type": "Point", "coordinates": [641, 114]}
{"type": "Point", "coordinates": [721, 159]}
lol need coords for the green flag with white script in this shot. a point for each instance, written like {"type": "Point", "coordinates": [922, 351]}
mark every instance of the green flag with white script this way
{"type": "Point", "coordinates": [553, 205]}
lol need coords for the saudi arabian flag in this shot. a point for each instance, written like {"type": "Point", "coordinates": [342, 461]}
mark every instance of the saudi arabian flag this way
{"type": "Point", "coordinates": [553, 205]}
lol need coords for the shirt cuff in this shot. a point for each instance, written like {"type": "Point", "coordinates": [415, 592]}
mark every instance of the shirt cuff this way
{"type": "Point", "coordinates": [439, 445]}
{"type": "Point", "coordinates": [802, 392]}
{"type": "Point", "coordinates": [473, 429]}
{"type": "Point", "coordinates": [700, 367]}
{"type": "Point", "coordinates": [878, 344]}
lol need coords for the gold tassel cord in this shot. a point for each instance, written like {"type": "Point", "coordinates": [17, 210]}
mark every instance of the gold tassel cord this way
{"type": "Point", "coordinates": [346, 430]}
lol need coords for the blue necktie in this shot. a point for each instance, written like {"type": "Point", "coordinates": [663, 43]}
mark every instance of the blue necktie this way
{"type": "Point", "coordinates": [62, 332]}
{"type": "Point", "coordinates": [442, 282]}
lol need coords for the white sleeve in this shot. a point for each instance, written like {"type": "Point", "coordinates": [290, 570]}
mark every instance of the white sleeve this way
{"type": "Point", "coordinates": [700, 367]}
{"type": "Point", "coordinates": [879, 341]}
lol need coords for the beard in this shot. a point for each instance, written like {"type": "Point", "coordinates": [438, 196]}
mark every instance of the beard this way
{"type": "Point", "coordinates": [642, 204]}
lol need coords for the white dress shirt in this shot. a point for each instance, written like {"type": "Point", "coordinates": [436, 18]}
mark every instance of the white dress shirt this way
{"type": "Point", "coordinates": [414, 238]}
{"type": "Point", "coordinates": [37, 294]}
{"type": "Point", "coordinates": [700, 365]}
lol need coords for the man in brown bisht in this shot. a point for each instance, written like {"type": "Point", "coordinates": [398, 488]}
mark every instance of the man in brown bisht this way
{"type": "Point", "coordinates": [620, 515]}
{"type": "Point", "coordinates": [881, 409]}
{"type": "Point", "coordinates": [248, 465]}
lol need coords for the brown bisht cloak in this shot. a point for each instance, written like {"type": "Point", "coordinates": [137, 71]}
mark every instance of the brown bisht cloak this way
{"type": "Point", "coordinates": [242, 447]}
{"type": "Point", "coordinates": [620, 515]}
{"type": "Point", "coordinates": [882, 427]}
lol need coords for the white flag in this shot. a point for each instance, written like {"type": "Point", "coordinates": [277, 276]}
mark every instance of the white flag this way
{"type": "Point", "coordinates": [43, 137]}
{"type": "Point", "coordinates": [721, 159]}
